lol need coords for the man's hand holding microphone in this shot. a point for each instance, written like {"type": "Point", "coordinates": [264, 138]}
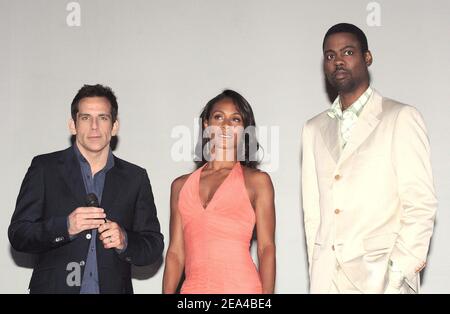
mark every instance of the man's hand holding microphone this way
{"type": "Point", "coordinates": [94, 217]}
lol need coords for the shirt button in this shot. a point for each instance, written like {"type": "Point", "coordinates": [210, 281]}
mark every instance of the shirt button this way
{"type": "Point", "coordinates": [88, 236]}
{"type": "Point", "coordinates": [82, 263]}
{"type": "Point", "coordinates": [337, 211]}
{"type": "Point", "coordinates": [337, 177]}
{"type": "Point", "coordinates": [332, 247]}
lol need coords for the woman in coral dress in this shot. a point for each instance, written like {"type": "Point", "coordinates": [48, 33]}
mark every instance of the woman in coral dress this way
{"type": "Point", "coordinates": [215, 209]}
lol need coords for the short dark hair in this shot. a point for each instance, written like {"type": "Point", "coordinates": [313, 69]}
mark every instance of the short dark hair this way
{"type": "Point", "coordinates": [95, 91]}
{"type": "Point", "coordinates": [348, 28]}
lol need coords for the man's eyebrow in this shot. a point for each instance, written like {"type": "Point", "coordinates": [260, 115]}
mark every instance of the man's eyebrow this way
{"type": "Point", "coordinates": [348, 46]}
{"type": "Point", "coordinates": [88, 114]}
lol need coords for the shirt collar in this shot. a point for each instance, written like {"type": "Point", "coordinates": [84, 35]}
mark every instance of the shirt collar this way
{"type": "Point", "coordinates": [335, 110]}
{"type": "Point", "coordinates": [81, 159]}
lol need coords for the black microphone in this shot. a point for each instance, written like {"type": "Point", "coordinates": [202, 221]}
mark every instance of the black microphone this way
{"type": "Point", "coordinates": [92, 201]}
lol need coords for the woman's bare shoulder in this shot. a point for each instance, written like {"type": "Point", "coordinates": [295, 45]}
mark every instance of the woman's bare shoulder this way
{"type": "Point", "coordinates": [257, 176]}
{"type": "Point", "coordinates": [178, 183]}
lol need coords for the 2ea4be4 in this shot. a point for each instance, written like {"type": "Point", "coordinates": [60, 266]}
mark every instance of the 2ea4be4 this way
{"type": "Point", "coordinates": [247, 303]}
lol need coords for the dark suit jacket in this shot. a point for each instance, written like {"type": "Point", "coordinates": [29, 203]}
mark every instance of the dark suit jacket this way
{"type": "Point", "coordinates": [51, 190]}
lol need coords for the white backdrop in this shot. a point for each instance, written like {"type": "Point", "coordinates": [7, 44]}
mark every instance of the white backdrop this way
{"type": "Point", "coordinates": [165, 59]}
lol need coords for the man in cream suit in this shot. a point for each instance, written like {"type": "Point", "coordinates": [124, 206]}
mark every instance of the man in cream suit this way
{"type": "Point", "coordinates": [368, 197]}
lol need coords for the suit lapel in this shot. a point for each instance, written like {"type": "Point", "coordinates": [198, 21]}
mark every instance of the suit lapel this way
{"type": "Point", "coordinates": [112, 186]}
{"type": "Point", "coordinates": [330, 135]}
{"type": "Point", "coordinates": [71, 174]}
{"type": "Point", "coordinates": [366, 123]}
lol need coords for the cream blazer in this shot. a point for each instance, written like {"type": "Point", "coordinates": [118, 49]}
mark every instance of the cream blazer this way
{"type": "Point", "coordinates": [370, 203]}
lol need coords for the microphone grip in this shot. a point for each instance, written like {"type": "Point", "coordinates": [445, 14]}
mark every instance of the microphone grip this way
{"type": "Point", "coordinates": [92, 201]}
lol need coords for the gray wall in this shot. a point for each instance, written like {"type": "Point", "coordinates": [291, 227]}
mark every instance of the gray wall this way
{"type": "Point", "coordinates": [166, 59]}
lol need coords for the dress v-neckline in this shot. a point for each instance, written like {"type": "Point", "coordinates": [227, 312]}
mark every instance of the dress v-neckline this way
{"type": "Point", "coordinates": [216, 191]}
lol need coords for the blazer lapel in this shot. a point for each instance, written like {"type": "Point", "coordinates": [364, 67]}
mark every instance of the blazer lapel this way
{"type": "Point", "coordinates": [330, 135]}
{"type": "Point", "coordinates": [71, 174]}
{"type": "Point", "coordinates": [112, 187]}
{"type": "Point", "coordinates": [366, 123]}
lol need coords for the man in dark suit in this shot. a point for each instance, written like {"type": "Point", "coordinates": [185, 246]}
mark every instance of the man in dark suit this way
{"type": "Point", "coordinates": [84, 247]}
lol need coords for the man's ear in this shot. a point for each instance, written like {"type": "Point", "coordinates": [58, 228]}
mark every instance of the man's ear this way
{"type": "Point", "coordinates": [115, 128]}
{"type": "Point", "coordinates": [368, 58]}
{"type": "Point", "coordinates": [72, 127]}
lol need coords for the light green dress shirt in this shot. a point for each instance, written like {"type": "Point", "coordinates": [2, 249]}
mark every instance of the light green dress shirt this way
{"type": "Point", "coordinates": [348, 118]}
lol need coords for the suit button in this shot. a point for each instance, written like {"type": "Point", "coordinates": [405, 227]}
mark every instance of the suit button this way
{"type": "Point", "coordinates": [337, 177]}
{"type": "Point", "coordinates": [82, 263]}
{"type": "Point", "coordinates": [337, 211]}
{"type": "Point", "coordinates": [88, 236]}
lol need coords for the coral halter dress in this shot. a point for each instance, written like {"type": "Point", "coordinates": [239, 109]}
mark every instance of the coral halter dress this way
{"type": "Point", "coordinates": [217, 238]}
